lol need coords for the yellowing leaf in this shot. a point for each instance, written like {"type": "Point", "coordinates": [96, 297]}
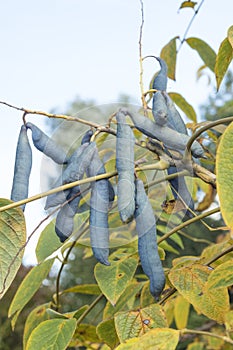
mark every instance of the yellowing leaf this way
{"type": "Point", "coordinates": [230, 35]}
{"type": "Point", "coordinates": [158, 338]}
{"type": "Point", "coordinates": [229, 323]}
{"type": "Point", "coordinates": [222, 276]}
{"type": "Point", "coordinates": [206, 53]}
{"type": "Point", "coordinates": [48, 242]}
{"type": "Point", "coordinates": [181, 311]}
{"type": "Point", "coordinates": [114, 279]}
{"type": "Point", "coordinates": [92, 289]}
{"type": "Point", "coordinates": [196, 346]}
{"type": "Point", "coordinates": [28, 288]}
{"type": "Point", "coordinates": [184, 105]}
{"type": "Point", "coordinates": [132, 324]}
{"type": "Point", "coordinates": [53, 334]}
{"type": "Point", "coordinates": [12, 241]}
{"type": "Point", "coordinates": [186, 4]}
{"type": "Point", "coordinates": [168, 54]}
{"type": "Point", "coordinates": [191, 283]}
{"type": "Point", "coordinates": [223, 59]}
{"type": "Point", "coordinates": [224, 172]}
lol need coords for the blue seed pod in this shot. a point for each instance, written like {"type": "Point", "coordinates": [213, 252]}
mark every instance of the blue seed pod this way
{"type": "Point", "coordinates": [99, 205]}
{"type": "Point", "coordinates": [174, 119]}
{"type": "Point", "coordinates": [87, 137]}
{"type": "Point", "coordinates": [147, 241]}
{"type": "Point", "coordinates": [46, 145]}
{"type": "Point", "coordinates": [74, 171]}
{"type": "Point", "coordinates": [65, 218]}
{"type": "Point", "coordinates": [159, 109]}
{"type": "Point", "coordinates": [160, 81]}
{"type": "Point", "coordinates": [22, 170]}
{"type": "Point", "coordinates": [125, 166]}
{"type": "Point", "coordinates": [170, 138]}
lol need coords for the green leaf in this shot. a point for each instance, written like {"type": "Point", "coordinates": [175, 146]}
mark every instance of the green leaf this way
{"type": "Point", "coordinates": [164, 245]}
{"type": "Point", "coordinates": [184, 105]}
{"type": "Point", "coordinates": [196, 346]}
{"type": "Point", "coordinates": [132, 324]}
{"type": "Point", "coordinates": [229, 323]}
{"type": "Point", "coordinates": [181, 312]}
{"type": "Point", "coordinates": [35, 317]}
{"type": "Point", "coordinates": [92, 289]}
{"type": "Point", "coordinates": [191, 283]}
{"type": "Point", "coordinates": [222, 276]}
{"type": "Point", "coordinates": [224, 58]}
{"type": "Point", "coordinates": [12, 241]}
{"type": "Point", "coordinates": [52, 334]}
{"type": "Point", "coordinates": [168, 54]}
{"type": "Point", "coordinates": [114, 279]}
{"type": "Point", "coordinates": [84, 334]}
{"type": "Point", "coordinates": [206, 53]}
{"type": "Point", "coordinates": [230, 35]}
{"type": "Point", "coordinates": [186, 4]}
{"type": "Point", "coordinates": [28, 288]}
{"type": "Point", "coordinates": [224, 173]}
{"type": "Point", "coordinates": [48, 242]}
{"type": "Point", "coordinates": [122, 303]}
{"type": "Point", "coordinates": [159, 338]}
{"type": "Point", "coordinates": [107, 333]}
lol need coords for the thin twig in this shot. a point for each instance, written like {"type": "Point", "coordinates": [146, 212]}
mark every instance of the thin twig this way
{"type": "Point", "coordinates": [86, 312]}
{"type": "Point", "coordinates": [189, 26]}
{"type": "Point", "coordinates": [214, 335]}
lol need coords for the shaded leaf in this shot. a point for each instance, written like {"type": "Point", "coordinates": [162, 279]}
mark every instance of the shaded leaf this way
{"type": "Point", "coordinates": [230, 35]}
{"type": "Point", "coordinates": [114, 279]}
{"type": "Point", "coordinates": [168, 54]}
{"type": "Point", "coordinates": [224, 173]}
{"type": "Point", "coordinates": [84, 334]}
{"type": "Point", "coordinates": [223, 59]}
{"type": "Point", "coordinates": [190, 281]}
{"type": "Point", "coordinates": [222, 276]}
{"type": "Point", "coordinates": [159, 338]}
{"type": "Point", "coordinates": [184, 105]}
{"type": "Point", "coordinates": [12, 239]}
{"type": "Point", "coordinates": [146, 298]}
{"type": "Point", "coordinates": [186, 4]}
{"type": "Point", "coordinates": [52, 334]}
{"type": "Point", "coordinates": [132, 324]}
{"type": "Point", "coordinates": [206, 53]}
{"type": "Point", "coordinates": [28, 288]}
{"type": "Point", "coordinates": [229, 323]}
{"type": "Point", "coordinates": [107, 333]}
{"type": "Point", "coordinates": [196, 346]}
{"type": "Point", "coordinates": [48, 242]}
{"type": "Point", "coordinates": [181, 312]}
{"type": "Point", "coordinates": [122, 303]}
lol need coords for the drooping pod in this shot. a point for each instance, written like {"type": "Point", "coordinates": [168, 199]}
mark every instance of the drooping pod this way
{"type": "Point", "coordinates": [159, 108]}
{"type": "Point", "coordinates": [170, 138]}
{"type": "Point", "coordinates": [46, 145]}
{"type": "Point", "coordinates": [74, 171]}
{"type": "Point", "coordinates": [99, 205]}
{"type": "Point", "coordinates": [160, 81]}
{"type": "Point", "coordinates": [65, 218]}
{"type": "Point", "coordinates": [147, 241]}
{"type": "Point", "coordinates": [22, 169]}
{"type": "Point", "coordinates": [125, 166]}
{"type": "Point", "coordinates": [174, 119]}
{"type": "Point", "coordinates": [87, 136]}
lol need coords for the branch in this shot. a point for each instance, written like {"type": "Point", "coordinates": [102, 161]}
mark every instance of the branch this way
{"type": "Point", "coordinates": [195, 331]}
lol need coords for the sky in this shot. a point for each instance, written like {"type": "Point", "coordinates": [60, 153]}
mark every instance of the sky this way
{"type": "Point", "coordinates": [53, 51]}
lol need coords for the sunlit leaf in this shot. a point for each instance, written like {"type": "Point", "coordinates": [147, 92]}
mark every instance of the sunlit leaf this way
{"type": "Point", "coordinates": [168, 54]}
{"type": "Point", "coordinates": [230, 35]}
{"type": "Point", "coordinates": [222, 276]}
{"type": "Point", "coordinates": [206, 53]}
{"type": "Point", "coordinates": [114, 279]}
{"type": "Point", "coordinates": [28, 288]}
{"type": "Point", "coordinates": [91, 289]}
{"type": "Point", "coordinates": [48, 242]}
{"type": "Point", "coordinates": [12, 241]}
{"type": "Point", "coordinates": [224, 58]}
{"type": "Point", "coordinates": [158, 338]}
{"type": "Point", "coordinates": [184, 105]}
{"type": "Point", "coordinates": [52, 334]}
{"type": "Point", "coordinates": [224, 172]}
{"type": "Point", "coordinates": [191, 283]}
{"type": "Point", "coordinates": [181, 312]}
{"type": "Point", "coordinates": [132, 324]}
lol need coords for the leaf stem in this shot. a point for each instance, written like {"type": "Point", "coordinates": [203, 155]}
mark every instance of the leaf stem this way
{"type": "Point", "coordinates": [86, 312]}
{"type": "Point", "coordinates": [209, 334]}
